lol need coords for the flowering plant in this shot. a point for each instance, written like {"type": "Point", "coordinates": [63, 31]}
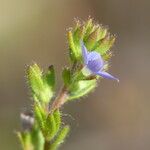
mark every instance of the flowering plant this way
{"type": "Point", "coordinates": [89, 49]}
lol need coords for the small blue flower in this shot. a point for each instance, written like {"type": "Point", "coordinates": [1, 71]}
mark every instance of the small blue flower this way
{"type": "Point", "coordinates": [94, 63]}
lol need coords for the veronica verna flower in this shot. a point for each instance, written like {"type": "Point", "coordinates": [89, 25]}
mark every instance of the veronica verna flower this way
{"type": "Point", "coordinates": [94, 63]}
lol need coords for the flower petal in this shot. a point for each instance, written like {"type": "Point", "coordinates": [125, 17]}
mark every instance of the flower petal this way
{"type": "Point", "coordinates": [92, 56]}
{"type": "Point", "coordinates": [95, 62]}
{"type": "Point", "coordinates": [84, 53]}
{"type": "Point", "coordinates": [106, 75]}
{"type": "Point", "coordinates": [94, 65]}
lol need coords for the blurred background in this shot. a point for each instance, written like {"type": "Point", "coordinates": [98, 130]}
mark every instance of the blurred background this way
{"type": "Point", "coordinates": [115, 116]}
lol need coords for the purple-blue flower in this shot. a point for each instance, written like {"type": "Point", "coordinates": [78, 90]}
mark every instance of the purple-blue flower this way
{"type": "Point", "coordinates": [95, 63]}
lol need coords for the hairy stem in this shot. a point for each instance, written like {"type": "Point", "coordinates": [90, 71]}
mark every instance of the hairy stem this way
{"type": "Point", "coordinates": [63, 94]}
{"type": "Point", "coordinates": [60, 99]}
{"type": "Point", "coordinates": [46, 145]}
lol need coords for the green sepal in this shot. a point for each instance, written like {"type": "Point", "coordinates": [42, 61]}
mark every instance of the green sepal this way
{"type": "Point", "coordinates": [89, 28]}
{"type": "Point", "coordinates": [105, 44]}
{"type": "Point", "coordinates": [42, 85]}
{"type": "Point", "coordinates": [102, 33]}
{"type": "Point", "coordinates": [75, 49]}
{"type": "Point", "coordinates": [98, 34]}
{"type": "Point", "coordinates": [60, 138]}
{"type": "Point", "coordinates": [92, 38]}
{"type": "Point", "coordinates": [66, 75]}
{"type": "Point", "coordinates": [78, 33]}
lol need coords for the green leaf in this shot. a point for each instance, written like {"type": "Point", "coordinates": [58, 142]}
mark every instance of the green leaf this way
{"type": "Point", "coordinates": [81, 88]}
{"type": "Point", "coordinates": [60, 138]}
{"type": "Point", "coordinates": [40, 115]}
{"type": "Point", "coordinates": [42, 86]}
{"type": "Point", "coordinates": [66, 75]}
{"type": "Point", "coordinates": [34, 76]}
{"type": "Point", "coordinates": [25, 139]}
{"type": "Point", "coordinates": [50, 129]}
{"type": "Point", "coordinates": [31, 140]}
{"type": "Point", "coordinates": [48, 123]}
{"type": "Point", "coordinates": [52, 125]}
{"type": "Point", "coordinates": [21, 140]}
{"type": "Point", "coordinates": [49, 77]}
{"type": "Point", "coordinates": [57, 117]}
{"type": "Point", "coordinates": [49, 83]}
{"type": "Point", "coordinates": [37, 139]}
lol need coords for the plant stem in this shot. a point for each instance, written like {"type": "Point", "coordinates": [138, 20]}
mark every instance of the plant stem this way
{"type": "Point", "coordinates": [46, 145]}
{"type": "Point", "coordinates": [60, 99]}
{"type": "Point", "coordinates": [63, 94]}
